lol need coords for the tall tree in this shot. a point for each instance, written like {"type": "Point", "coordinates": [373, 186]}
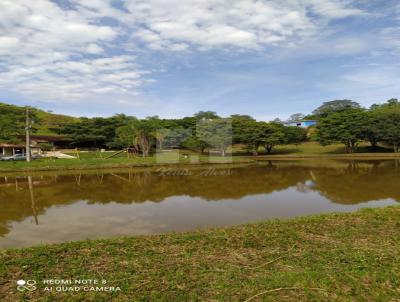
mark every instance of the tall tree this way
{"type": "Point", "coordinates": [205, 115]}
{"type": "Point", "coordinates": [144, 133]}
{"type": "Point", "coordinates": [255, 134]}
{"type": "Point", "coordinates": [160, 135]}
{"type": "Point", "coordinates": [177, 136]}
{"type": "Point", "coordinates": [194, 143]}
{"type": "Point", "coordinates": [295, 135]}
{"type": "Point", "coordinates": [251, 133]}
{"type": "Point", "coordinates": [125, 136]}
{"type": "Point", "coordinates": [335, 106]}
{"type": "Point", "coordinates": [371, 129]}
{"type": "Point", "coordinates": [347, 127]}
{"type": "Point", "coordinates": [389, 129]}
{"type": "Point", "coordinates": [387, 123]}
{"type": "Point", "coordinates": [296, 117]}
{"type": "Point", "coordinates": [95, 132]}
{"type": "Point", "coordinates": [216, 132]}
{"type": "Point", "coordinates": [239, 124]}
{"type": "Point", "coordinates": [273, 135]}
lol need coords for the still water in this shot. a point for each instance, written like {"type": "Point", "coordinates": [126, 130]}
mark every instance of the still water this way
{"type": "Point", "coordinates": [47, 207]}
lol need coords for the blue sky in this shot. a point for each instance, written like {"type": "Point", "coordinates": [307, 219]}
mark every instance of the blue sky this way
{"type": "Point", "coordinates": [173, 58]}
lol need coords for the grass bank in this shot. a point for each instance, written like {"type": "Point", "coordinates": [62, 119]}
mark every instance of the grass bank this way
{"type": "Point", "coordinates": [87, 163]}
{"type": "Point", "coordinates": [96, 160]}
{"type": "Point", "coordinates": [334, 257]}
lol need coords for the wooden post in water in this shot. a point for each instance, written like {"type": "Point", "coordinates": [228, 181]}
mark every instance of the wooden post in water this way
{"type": "Point", "coordinates": [33, 204]}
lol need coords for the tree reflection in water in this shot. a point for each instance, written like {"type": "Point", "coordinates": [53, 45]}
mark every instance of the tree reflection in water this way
{"type": "Point", "coordinates": [341, 182]}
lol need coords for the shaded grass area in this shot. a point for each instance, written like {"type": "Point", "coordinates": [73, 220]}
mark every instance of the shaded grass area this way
{"type": "Point", "coordinates": [334, 257]}
{"type": "Point", "coordinates": [313, 148]}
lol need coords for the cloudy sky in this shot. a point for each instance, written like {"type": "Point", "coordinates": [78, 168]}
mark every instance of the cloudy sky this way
{"type": "Point", "coordinates": [266, 58]}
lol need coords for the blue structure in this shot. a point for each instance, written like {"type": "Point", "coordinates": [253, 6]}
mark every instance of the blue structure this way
{"type": "Point", "coordinates": [303, 123]}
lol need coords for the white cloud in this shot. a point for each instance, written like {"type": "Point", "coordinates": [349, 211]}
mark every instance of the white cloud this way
{"type": "Point", "coordinates": [67, 49]}
{"type": "Point", "coordinates": [241, 23]}
{"type": "Point", "coordinates": [333, 9]}
{"type": "Point", "coordinates": [8, 44]}
{"type": "Point", "coordinates": [43, 51]}
{"type": "Point", "coordinates": [94, 49]}
{"type": "Point", "coordinates": [70, 80]}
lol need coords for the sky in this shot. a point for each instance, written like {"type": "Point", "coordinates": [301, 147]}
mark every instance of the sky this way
{"type": "Point", "coordinates": [172, 58]}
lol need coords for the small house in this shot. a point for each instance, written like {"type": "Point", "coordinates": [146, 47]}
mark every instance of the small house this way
{"type": "Point", "coordinates": [37, 144]}
{"type": "Point", "coordinates": [12, 149]}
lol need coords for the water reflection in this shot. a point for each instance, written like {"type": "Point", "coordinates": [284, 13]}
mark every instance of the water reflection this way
{"type": "Point", "coordinates": [60, 207]}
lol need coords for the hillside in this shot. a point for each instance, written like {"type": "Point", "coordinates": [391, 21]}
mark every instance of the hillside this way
{"type": "Point", "coordinates": [50, 122]}
{"type": "Point", "coordinates": [46, 123]}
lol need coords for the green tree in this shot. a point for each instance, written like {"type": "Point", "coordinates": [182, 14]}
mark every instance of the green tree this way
{"type": "Point", "coordinates": [160, 135]}
{"type": "Point", "coordinates": [389, 129]}
{"type": "Point", "coordinates": [295, 135]}
{"type": "Point", "coordinates": [371, 130]}
{"type": "Point", "coordinates": [387, 123]}
{"type": "Point", "coordinates": [243, 117]}
{"type": "Point", "coordinates": [139, 134]}
{"type": "Point", "coordinates": [194, 143]}
{"type": "Point", "coordinates": [216, 132]}
{"type": "Point", "coordinates": [273, 135]}
{"type": "Point", "coordinates": [347, 127]}
{"type": "Point", "coordinates": [393, 102]}
{"type": "Point", "coordinates": [125, 136]}
{"type": "Point", "coordinates": [296, 117]}
{"type": "Point", "coordinates": [382, 123]}
{"type": "Point", "coordinates": [251, 133]}
{"type": "Point", "coordinates": [95, 132]}
{"type": "Point", "coordinates": [177, 136]}
{"type": "Point", "coordinates": [144, 134]}
{"type": "Point", "coordinates": [335, 106]}
{"type": "Point", "coordinates": [255, 134]}
{"type": "Point", "coordinates": [239, 124]}
{"type": "Point", "coordinates": [205, 115]}
{"type": "Point", "coordinates": [12, 122]}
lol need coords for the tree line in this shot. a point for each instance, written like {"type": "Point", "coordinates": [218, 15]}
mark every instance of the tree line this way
{"type": "Point", "coordinates": [203, 131]}
{"type": "Point", "coordinates": [350, 124]}
{"type": "Point", "coordinates": [339, 121]}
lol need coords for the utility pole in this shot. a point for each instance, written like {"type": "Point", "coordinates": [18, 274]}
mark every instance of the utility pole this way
{"type": "Point", "coordinates": [27, 136]}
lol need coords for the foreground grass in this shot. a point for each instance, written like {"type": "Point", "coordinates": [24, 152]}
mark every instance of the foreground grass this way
{"type": "Point", "coordinates": [335, 257]}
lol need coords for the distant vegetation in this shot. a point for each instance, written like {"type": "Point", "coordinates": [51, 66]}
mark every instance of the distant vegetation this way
{"type": "Point", "coordinates": [352, 124]}
{"type": "Point", "coordinates": [339, 121]}
{"type": "Point", "coordinates": [12, 122]}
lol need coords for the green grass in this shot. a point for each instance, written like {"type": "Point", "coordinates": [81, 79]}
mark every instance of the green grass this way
{"type": "Point", "coordinates": [334, 257]}
{"type": "Point", "coordinates": [92, 160]}
{"type": "Point", "coordinates": [314, 148]}
{"type": "Point", "coordinates": [97, 160]}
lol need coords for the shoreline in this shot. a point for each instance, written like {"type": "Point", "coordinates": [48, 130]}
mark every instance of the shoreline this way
{"type": "Point", "coordinates": [356, 156]}
{"type": "Point", "coordinates": [86, 165]}
{"type": "Point", "coordinates": [346, 255]}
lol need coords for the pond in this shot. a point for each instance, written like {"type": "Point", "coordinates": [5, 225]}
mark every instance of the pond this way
{"type": "Point", "coordinates": [57, 207]}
